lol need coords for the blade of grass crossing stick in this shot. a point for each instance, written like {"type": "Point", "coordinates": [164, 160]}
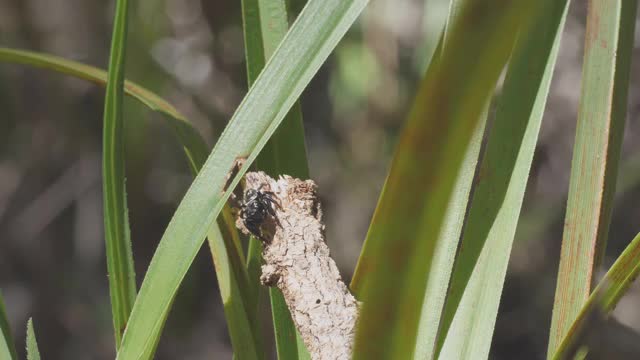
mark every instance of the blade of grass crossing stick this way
{"type": "Point", "coordinates": [7, 348]}
{"type": "Point", "coordinates": [255, 60]}
{"type": "Point", "coordinates": [606, 295]}
{"type": "Point", "coordinates": [601, 119]}
{"type": "Point", "coordinates": [306, 46]}
{"type": "Point", "coordinates": [193, 145]}
{"type": "Point", "coordinates": [122, 284]}
{"type": "Point", "coordinates": [244, 339]}
{"type": "Point", "coordinates": [32, 345]}
{"type": "Point", "coordinates": [285, 153]}
{"type": "Point", "coordinates": [481, 263]}
{"type": "Point", "coordinates": [449, 104]}
{"type": "Point", "coordinates": [289, 344]}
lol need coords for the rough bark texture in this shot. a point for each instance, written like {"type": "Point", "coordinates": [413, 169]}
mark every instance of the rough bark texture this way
{"type": "Point", "coordinates": [297, 261]}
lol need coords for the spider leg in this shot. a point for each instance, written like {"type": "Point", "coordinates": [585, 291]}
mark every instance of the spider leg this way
{"type": "Point", "coordinates": [272, 198]}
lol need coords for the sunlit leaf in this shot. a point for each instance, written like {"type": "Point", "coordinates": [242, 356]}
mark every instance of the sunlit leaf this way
{"type": "Point", "coordinates": [32, 345]}
{"type": "Point", "coordinates": [596, 153]}
{"type": "Point", "coordinates": [311, 38]}
{"type": "Point", "coordinates": [604, 298]}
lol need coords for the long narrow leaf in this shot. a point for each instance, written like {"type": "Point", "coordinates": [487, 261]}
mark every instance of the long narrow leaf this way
{"type": "Point", "coordinates": [447, 242]}
{"type": "Point", "coordinates": [244, 338]}
{"type": "Point", "coordinates": [7, 348]}
{"type": "Point", "coordinates": [255, 60]}
{"type": "Point", "coordinates": [32, 345]}
{"type": "Point", "coordinates": [450, 101]}
{"type": "Point", "coordinates": [606, 295]}
{"type": "Point", "coordinates": [601, 119]}
{"type": "Point", "coordinates": [285, 152]}
{"type": "Point", "coordinates": [480, 269]}
{"type": "Point", "coordinates": [231, 269]}
{"type": "Point", "coordinates": [122, 277]}
{"type": "Point", "coordinates": [194, 145]}
{"type": "Point", "coordinates": [312, 37]}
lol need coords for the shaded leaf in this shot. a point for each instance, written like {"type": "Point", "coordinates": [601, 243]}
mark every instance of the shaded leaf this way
{"type": "Point", "coordinates": [7, 349]}
{"type": "Point", "coordinates": [122, 277]}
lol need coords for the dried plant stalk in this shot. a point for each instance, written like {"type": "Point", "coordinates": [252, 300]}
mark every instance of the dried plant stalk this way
{"type": "Point", "coordinates": [297, 261]}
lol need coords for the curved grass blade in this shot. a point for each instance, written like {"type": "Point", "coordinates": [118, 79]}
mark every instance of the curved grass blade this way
{"type": "Point", "coordinates": [601, 119]}
{"type": "Point", "coordinates": [306, 46]}
{"type": "Point", "coordinates": [285, 153]}
{"type": "Point", "coordinates": [605, 297]}
{"type": "Point", "coordinates": [481, 264]}
{"type": "Point", "coordinates": [122, 277]}
{"type": "Point", "coordinates": [449, 104]}
{"type": "Point", "coordinates": [194, 145]}
{"type": "Point", "coordinates": [7, 348]}
{"type": "Point", "coordinates": [196, 151]}
{"type": "Point", "coordinates": [32, 345]}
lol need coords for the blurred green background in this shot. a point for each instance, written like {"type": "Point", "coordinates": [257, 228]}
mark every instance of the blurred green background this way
{"type": "Point", "coordinates": [52, 263]}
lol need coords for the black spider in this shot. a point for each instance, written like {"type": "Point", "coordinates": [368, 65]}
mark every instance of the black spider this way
{"type": "Point", "coordinates": [255, 208]}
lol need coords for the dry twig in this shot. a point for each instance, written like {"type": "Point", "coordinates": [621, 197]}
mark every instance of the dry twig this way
{"type": "Point", "coordinates": [297, 261]}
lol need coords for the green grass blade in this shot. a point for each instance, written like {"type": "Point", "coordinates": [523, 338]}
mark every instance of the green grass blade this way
{"type": "Point", "coordinates": [7, 348]}
{"type": "Point", "coordinates": [122, 278]}
{"type": "Point", "coordinates": [253, 44]}
{"type": "Point", "coordinates": [312, 37]}
{"type": "Point", "coordinates": [448, 107]}
{"type": "Point", "coordinates": [447, 242]}
{"type": "Point", "coordinates": [605, 297]}
{"type": "Point", "coordinates": [481, 264]}
{"type": "Point", "coordinates": [196, 151]}
{"type": "Point", "coordinates": [285, 153]}
{"type": "Point", "coordinates": [601, 119]}
{"type": "Point", "coordinates": [32, 345]}
{"type": "Point", "coordinates": [255, 60]}
{"type": "Point", "coordinates": [194, 145]}
{"type": "Point", "coordinates": [244, 338]}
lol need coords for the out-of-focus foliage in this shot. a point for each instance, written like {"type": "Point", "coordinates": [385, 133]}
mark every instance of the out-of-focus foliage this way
{"type": "Point", "coordinates": [190, 52]}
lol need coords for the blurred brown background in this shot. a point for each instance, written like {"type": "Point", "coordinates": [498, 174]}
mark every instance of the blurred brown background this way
{"type": "Point", "coordinates": [52, 263]}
